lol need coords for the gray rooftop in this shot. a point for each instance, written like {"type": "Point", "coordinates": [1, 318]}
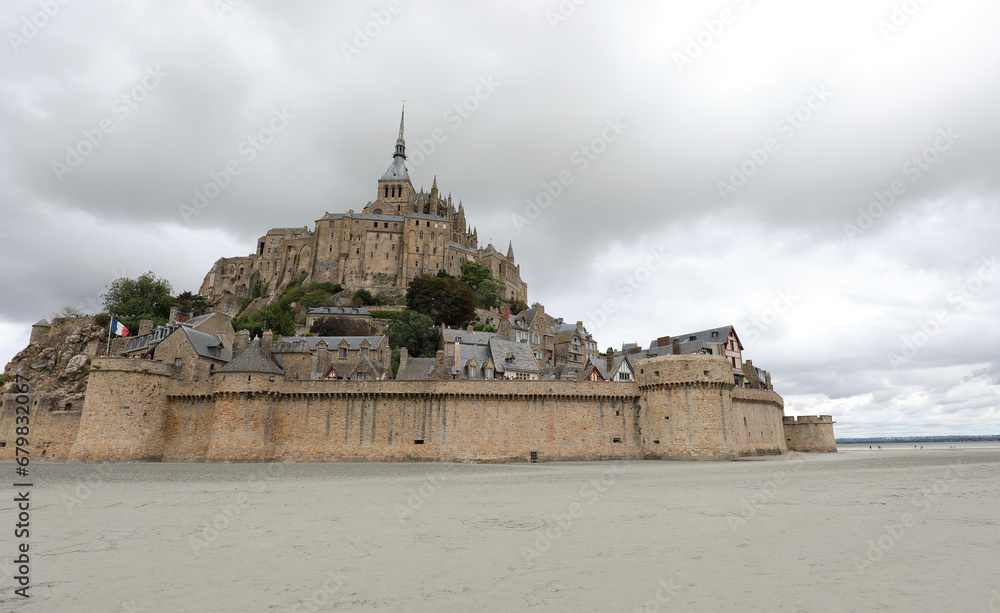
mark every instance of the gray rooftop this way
{"type": "Point", "coordinates": [333, 342]}
{"type": "Point", "coordinates": [338, 311]}
{"type": "Point", "coordinates": [469, 338]}
{"type": "Point", "coordinates": [194, 322]}
{"type": "Point", "coordinates": [467, 353]}
{"type": "Point", "coordinates": [520, 356]}
{"type": "Point", "coordinates": [462, 247]}
{"type": "Point", "coordinates": [291, 346]}
{"type": "Point", "coordinates": [252, 359]}
{"type": "Point", "coordinates": [712, 335]}
{"type": "Point", "coordinates": [428, 217]}
{"type": "Point", "coordinates": [207, 345]}
{"type": "Point", "coordinates": [396, 170]}
{"type": "Point", "coordinates": [420, 369]}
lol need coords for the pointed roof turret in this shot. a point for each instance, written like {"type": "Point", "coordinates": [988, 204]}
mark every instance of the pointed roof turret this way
{"type": "Point", "coordinates": [397, 171]}
{"type": "Point", "coordinates": [400, 141]}
{"type": "Point", "coordinates": [510, 251]}
{"type": "Point", "coordinates": [252, 359]}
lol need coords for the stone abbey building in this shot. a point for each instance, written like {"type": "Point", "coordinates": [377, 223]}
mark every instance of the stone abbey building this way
{"type": "Point", "coordinates": [402, 234]}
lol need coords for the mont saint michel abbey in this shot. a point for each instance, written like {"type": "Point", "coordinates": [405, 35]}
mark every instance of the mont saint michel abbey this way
{"type": "Point", "coordinates": [400, 235]}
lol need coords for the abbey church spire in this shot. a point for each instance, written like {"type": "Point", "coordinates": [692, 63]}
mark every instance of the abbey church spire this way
{"type": "Point", "coordinates": [394, 188]}
{"type": "Point", "coordinates": [400, 141]}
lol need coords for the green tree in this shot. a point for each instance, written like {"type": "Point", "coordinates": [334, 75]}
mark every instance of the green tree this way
{"type": "Point", "coordinates": [489, 293]}
{"type": "Point", "coordinates": [145, 297]}
{"type": "Point", "coordinates": [474, 274]}
{"type": "Point", "coordinates": [416, 332]}
{"type": "Point", "coordinates": [363, 297]}
{"type": "Point", "coordinates": [198, 305]}
{"type": "Point", "coordinates": [338, 325]}
{"type": "Point", "coordinates": [516, 306]}
{"type": "Point", "coordinates": [448, 301]}
{"type": "Point", "coordinates": [275, 317]}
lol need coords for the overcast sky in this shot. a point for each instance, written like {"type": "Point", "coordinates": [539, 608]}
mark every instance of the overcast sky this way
{"type": "Point", "coordinates": [823, 176]}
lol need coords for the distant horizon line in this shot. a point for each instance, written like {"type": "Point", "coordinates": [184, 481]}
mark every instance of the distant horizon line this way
{"type": "Point", "coordinates": [928, 438]}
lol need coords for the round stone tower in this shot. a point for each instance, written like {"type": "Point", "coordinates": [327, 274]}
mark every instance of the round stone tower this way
{"type": "Point", "coordinates": [124, 411]}
{"type": "Point", "coordinates": [685, 404]}
{"type": "Point", "coordinates": [243, 427]}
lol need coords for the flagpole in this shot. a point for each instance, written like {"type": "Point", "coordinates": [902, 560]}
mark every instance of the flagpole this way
{"type": "Point", "coordinates": [108, 350]}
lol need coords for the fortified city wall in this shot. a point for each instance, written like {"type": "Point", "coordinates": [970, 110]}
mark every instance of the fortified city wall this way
{"type": "Point", "coordinates": [680, 407]}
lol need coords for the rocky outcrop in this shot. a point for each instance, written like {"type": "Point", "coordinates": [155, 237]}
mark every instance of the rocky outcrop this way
{"type": "Point", "coordinates": [58, 365]}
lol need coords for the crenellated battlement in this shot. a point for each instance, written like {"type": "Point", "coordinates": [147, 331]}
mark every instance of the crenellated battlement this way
{"type": "Point", "coordinates": [809, 419]}
{"type": "Point", "coordinates": [810, 433]}
{"type": "Point", "coordinates": [680, 407]}
{"type": "Point", "coordinates": [678, 370]}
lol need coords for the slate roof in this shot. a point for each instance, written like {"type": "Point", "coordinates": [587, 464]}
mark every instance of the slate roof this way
{"type": "Point", "coordinates": [338, 311]}
{"type": "Point", "coordinates": [207, 345]}
{"type": "Point", "coordinates": [523, 360]}
{"type": "Point", "coordinates": [427, 217]}
{"type": "Point", "coordinates": [291, 346]}
{"type": "Point", "coordinates": [43, 322]}
{"type": "Point", "coordinates": [467, 353]}
{"type": "Point", "coordinates": [601, 364]}
{"type": "Point", "coordinates": [565, 331]}
{"type": "Point", "coordinates": [396, 170]}
{"type": "Point", "coordinates": [351, 369]}
{"type": "Point", "coordinates": [697, 340]}
{"type": "Point", "coordinates": [194, 322]}
{"type": "Point", "coordinates": [252, 359]}
{"type": "Point", "coordinates": [529, 315]}
{"type": "Point", "coordinates": [362, 216]}
{"type": "Point", "coordinates": [462, 247]}
{"type": "Point", "coordinates": [333, 342]}
{"type": "Point", "coordinates": [420, 369]}
{"type": "Point", "coordinates": [469, 338]}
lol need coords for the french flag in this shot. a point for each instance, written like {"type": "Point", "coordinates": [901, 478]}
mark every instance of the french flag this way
{"type": "Point", "coordinates": [117, 328]}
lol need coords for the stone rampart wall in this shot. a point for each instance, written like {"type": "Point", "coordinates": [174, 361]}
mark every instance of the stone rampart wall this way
{"type": "Point", "coordinates": [680, 407]}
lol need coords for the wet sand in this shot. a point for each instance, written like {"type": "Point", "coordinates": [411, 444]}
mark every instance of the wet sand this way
{"type": "Point", "coordinates": [906, 530]}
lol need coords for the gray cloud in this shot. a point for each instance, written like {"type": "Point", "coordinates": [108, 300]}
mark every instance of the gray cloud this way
{"type": "Point", "coordinates": [558, 79]}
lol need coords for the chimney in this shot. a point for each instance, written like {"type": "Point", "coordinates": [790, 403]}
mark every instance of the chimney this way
{"type": "Point", "coordinates": [663, 341]}
{"type": "Point", "coordinates": [404, 355]}
{"type": "Point", "coordinates": [322, 358]}
{"type": "Point", "coordinates": [178, 315]}
{"type": "Point", "coordinates": [675, 347]}
{"type": "Point", "coordinates": [579, 326]}
{"type": "Point", "coordinates": [469, 329]}
{"type": "Point", "coordinates": [458, 358]}
{"type": "Point", "coordinates": [265, 342]}
{"type": "Point", "coordinates": [610, 361]}
{"type": "Point", "coordinates": [242, 340]}
{"type": "Point", "coordinates": [505, 316]}
{"type": "Point", "coordinates": [145, 327]}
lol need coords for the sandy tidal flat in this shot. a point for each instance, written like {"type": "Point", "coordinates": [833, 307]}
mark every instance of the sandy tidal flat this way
{"type": "Point", "coordinates": [906, 530]}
